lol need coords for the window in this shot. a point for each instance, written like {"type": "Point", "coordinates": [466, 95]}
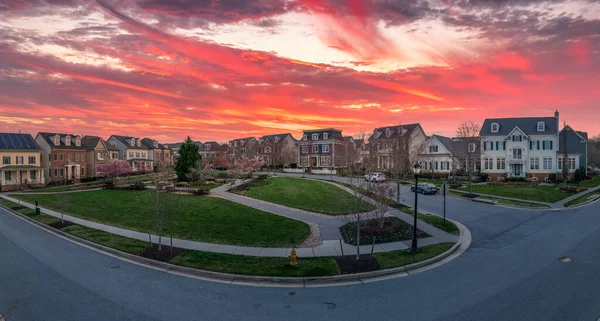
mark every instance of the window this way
{"type": "Point", "coordinates": [20, 160]}
{"type": "Point", "coordinates": [325, 135]}
{"type": "Point", "coordinates": [267, 150]}
{"type": "Point", "coordinates": [130, 154]}
{"type": "Point", "coordinates": [433, 149]}
{"type": "Point", "coordinates": [55, 157]}
{"type": "Point", "coordinates": [82, 171]}
{"type": "Point", "coordinates": [495, 127]}
{"type": "Point", "coordinates": [31, 160]}
{"type": "Point", "coordinates": [100, 156]}
{"type": "Point", "coordinates": [304, 161]}
{"type": "Point", "coordinates": [68, 140]}
{"type": "Point", "coordinates": [541, 126]}
{"type": "Point", "coordinates": [62, 172]}
{"type": "Point", "coordinates": [33, 174]}
{"type": "Point", "coordinates": [57, 140]}
{"type": "Point", "coordinates": [572, 163]}
{"type": "Point", "coordinates": [207, 146]}
{"type": "Point", "coordinates": [77, 156]}
{"type": "Point", "coordinates": [5, 160]}
{"type": "Point", "coordinates": [315, 148]}
{"type": "Point", "coordinates": [276, 139]}
{"type": "Point", "coordinates": [325, 148]}
{"type": "Point", "coordinates": [547, 162]}
{"type": "Point", "coordinates": [517, 138]}
{"type": "Point", "coordinates": [305, 149]}
{"type": "Point", "coordinates": [62, 157]}
{"type": "Point", "coordinates": [305, 137]}
{"type": "Point", "coordinates": [535, 163]}
{"type": "Point", "coordinates": [488, 163]}
{"type": "Point", "coordinates": [315, 136]}
{"type": "Point", "coordinates": [143, 155]}
{"type": "Point", "coordinates": [517, 153]}
{"type": "Point", "coordinates": [70, 156]}
{"type": "Point", "coordinates": [325, 161]}
{"type": "Point", "coordinates": [8, 176]}
{"type": "Point", "coordinates": [500, 163]}
{"type": "Point", "coordinates": [388, 132]}
{"type": "Point", "coordinates": [55, 172]}
{"type": "Point", "coordinates": [137, 154]}
{"type": "Point", "coordinates": [547, 145]}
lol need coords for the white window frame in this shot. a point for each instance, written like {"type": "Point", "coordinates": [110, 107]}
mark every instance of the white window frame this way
{"type": "Point", "coordinates": [325, 148]}
{"type": "Point", "coordinates": [547, 162]}
{"type": "Point", "coordinates": [314, 148]}
{"type": "Point", "coordinates": [488, 163]}
{"type": "Point", "coordinates": [315, 137]}
{"type": "Point", "coordinates": [541, 126]}
{"type": "Point", "coordinates": [305, 149]}
{"type": "Point", "coordinates": [572, 163]}
{"type": "Point", "coordinates": [19, 160]}
{"type": "Point", "coordinates": [29, 160]}
{"type": "Point", "coordinates": [501, 163]}
{"type": "Point", "coordinates": [471, 148]}
{"type": "Point", "coordinates": [534, 163]}
{"type": "Point", "coordinates": [305, 137]}
{"type": "Point", "coordinates": [495, 127]}
{"type": "Point", "coordinates": [206, 146]}
{"type": "Point", "coordinates": [325, 135]}
{"type": "Point", "coordinates": [325, 160]}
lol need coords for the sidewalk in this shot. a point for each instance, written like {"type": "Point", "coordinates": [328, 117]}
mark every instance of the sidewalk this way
{"type": "Point", "coordinates": [328, 248]}
{"type": "Point", "coordinates": [506, 198]}
{"type": "Point", "coordinates": [561, 204]}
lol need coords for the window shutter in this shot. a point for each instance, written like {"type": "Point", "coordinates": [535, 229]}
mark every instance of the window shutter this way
{"type": "Point", "coordinates": [538, 145]}
{"type": "Point", "coordinates": [544, 145]}
{"type": "Point", "coordinates": [485, 146]}
{"type": "Point", "coordinates": [504, 145]}
{"type": "Point", "coordinates": [530, 145]}
{"type": "Point", "coordinates": [497, 145]}
{"type": "Point", "coordinates": [550, 145]}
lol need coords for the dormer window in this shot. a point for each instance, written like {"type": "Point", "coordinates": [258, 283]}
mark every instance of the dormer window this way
{"type": "Point", "coordinates": [471, 148]}
{"type": "Point", "coordinates": [495, 127]}
{"type": "Point", "coordinates": [207, 147]}
{"type": "Point", "coordinates": [388, 132]}
{"type": "Point", "coordinates": [132, 143]}
{"type": "Point", "coordinates": [305, 137]}
{"type": "Point", "coordinates": [325, 135]}
{"type": "Point", "coordinates": [57, 140]}
{"type": "Point", "coordinates": [68, 140]}
{"type": "Point", "coordinates": [541, 126]}
{"type": "Point", "coordinates": [77, 141]}
{"type": "Point", "coordinates": [139, 142]}
{"type": "Point", "coordinates": [276, 139]}
{"type": "Point", "coordinates": [315, 136]}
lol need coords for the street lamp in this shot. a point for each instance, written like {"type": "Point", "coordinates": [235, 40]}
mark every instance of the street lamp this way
{"type": "Point", "coordinates": [416, 171]}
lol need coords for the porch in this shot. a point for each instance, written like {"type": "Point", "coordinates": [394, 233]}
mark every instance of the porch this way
{"type": "Point", "coordinates": [13, 178]}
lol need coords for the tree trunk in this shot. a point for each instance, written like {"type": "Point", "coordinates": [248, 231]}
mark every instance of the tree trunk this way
{"type": "Point", "coordinates": [358, 240]}
{"type": "Point", "coordinates": [398, 190]}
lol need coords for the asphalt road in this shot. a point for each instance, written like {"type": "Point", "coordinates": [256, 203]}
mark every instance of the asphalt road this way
{"type": "Point", "coordinates": [510, 272]}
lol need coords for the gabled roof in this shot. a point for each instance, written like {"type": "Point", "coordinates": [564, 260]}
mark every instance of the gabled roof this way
{"type": "Point", "coordinates": [269, 138]}
{"type": "Point", "coordinates": [126, 140]}
{"type": "Point", "coordinates": [214, 147]}
{"type": "Point", "coordinates": [49, 138]}
{"type": "Point", "coordinates": [515, 129]}
{"type": "Point", "coordinates": [18, 141]}
{"type": "Point", "coordinates": [455, 145]}
{"type": "Point", "coordinates": [322, 130]}
{"type": "Point", "coordinates": [152, 144]}
{"type": "Point", "coordinates": [245, 140]}
{"type": "Point", "coordinates": [528, 125]}
{"type": "Point", "coordinates": [403, 130]}
{"type": "Point", "coordinates": [90, 142]}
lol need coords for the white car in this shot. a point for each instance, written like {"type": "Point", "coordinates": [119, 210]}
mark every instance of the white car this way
{"type": "Point", "coordinates": [375, 177]}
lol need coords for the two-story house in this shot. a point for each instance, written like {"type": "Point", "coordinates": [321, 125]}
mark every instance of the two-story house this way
{"type": "Point", "coordinates": [174, 148]}
{"type": "Point", "coordinates": [575, 145]}
{"type": "Point", "coordinates": [63, 156]}
{"type": "Point", "coordinates": [396, 146]}
{"type": "Point", "coordinates": [212, 151]}
{"type": "Point", "coordinates": [322, 149]}
{"type": "Point", "coordinates": [446, 155]}
{"type": "Point", "coordinates": [158, 153]}
{"type": "Point", "coordinates": [98, 152]}
{"type": "Point", "coordinates": [21, 159]}
{"type": "Point", "coordinates": [133, 151]}
{"type": "Point", "coordinates": [520, 147]}
{"type": "Point", "coordinates": [278, 150]}
{"type": "Point", "coordinates": [240, 147]}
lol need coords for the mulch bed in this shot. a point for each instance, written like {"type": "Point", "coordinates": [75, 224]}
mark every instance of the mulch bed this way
{"type": "Point", "coordinates": [164, 256]}
{"type": "Point", "coordinates": [60, 225]}
{"type": "Point", "coordinates": [394, 229]}
{"type": "Point", "coordinates": [349, 264]}
{"type": "Point", "coordinates": [17, 208]}
{"type": "Point", "coordinates": [467, 195]}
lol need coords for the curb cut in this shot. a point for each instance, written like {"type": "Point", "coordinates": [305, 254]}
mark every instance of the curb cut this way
{"type": "Point", "coordinates": [265, 281]}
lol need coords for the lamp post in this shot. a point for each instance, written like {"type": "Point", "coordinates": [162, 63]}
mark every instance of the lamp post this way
{"type": "Point", "coordinates": [416, 171]}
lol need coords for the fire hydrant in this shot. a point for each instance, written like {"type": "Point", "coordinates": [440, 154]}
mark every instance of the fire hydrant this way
{"type": "Point", "coordinates": [293, 258]}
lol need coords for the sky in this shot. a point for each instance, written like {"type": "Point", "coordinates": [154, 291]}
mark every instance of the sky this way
{"type": "Point", "coordinates": [224, 69]}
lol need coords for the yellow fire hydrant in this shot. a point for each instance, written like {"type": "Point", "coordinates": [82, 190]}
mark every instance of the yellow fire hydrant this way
{"type": "Point", "coordinates": [293, 258]}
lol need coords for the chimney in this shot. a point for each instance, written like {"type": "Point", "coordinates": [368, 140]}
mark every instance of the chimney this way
{"type": "Point", "coordinates": [556, 114]}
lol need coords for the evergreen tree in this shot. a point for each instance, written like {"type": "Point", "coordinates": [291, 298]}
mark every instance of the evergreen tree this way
{"type": "Point", "coordinates": [189, 157]}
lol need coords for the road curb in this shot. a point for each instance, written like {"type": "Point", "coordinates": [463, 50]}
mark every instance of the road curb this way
{"type": "Point", "coordinates": [265, 281]}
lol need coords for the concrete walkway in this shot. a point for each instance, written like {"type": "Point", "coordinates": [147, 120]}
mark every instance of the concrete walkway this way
{"type": "Point", "coordinates": [561, 204]}
{"type": "Point", "coordinates": [328, 248]}
{"type": "Point", "coordinates": [505, 198]}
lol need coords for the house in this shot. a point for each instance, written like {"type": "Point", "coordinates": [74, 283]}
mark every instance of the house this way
{"type": "Point", "coordinates": [322, 149]}
{"type": "Point", "coordinates": [63, 155]}
{"type": "Point", "coordinates": [158, 153]}
{"type": "Point", "coordinates": [575, 145]}
{"type": "Point", "coordinates": [21, 162]}
{"type": "Point", "coordinates": [240, 147]}
{"type": "Point", "coordinates": [443, 155]}
{"type": "Point", "coordinates": [520, 147]}
{"type": "Point", "coordinates": [174, 147]}
{"type": "Point", "coordinates": [212, 151]}
{"type": "Point", "coordinates": [278, 150]}
{"type": "Point", "coordinates": [360, 153]}
{"type": "Point", "coordinates": [396, 146]}
{"type": "Point", "coordinates": [98, 152]}
{"type": "Point", "coordinates": [133, 151]}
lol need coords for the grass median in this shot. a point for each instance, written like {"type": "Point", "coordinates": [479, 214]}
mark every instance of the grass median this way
{"type": "Point", "coordinates": [400, 258]}
{"type": "Point", "coordinates": [505, 201]}
{"type": "Point", "coordinates": [583, 199]}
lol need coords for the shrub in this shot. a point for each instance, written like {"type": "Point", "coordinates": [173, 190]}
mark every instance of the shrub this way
{"type": "Point", "coordinates": [484, 177]}
{"type": "Point", "coordinates": [182, 184]}
{"type": "Point", "coordinates": [552, 177]}
{"type": "Point", "coordinates": [516, 179]}
{"type": "Point", "coordinates": [201, 192]}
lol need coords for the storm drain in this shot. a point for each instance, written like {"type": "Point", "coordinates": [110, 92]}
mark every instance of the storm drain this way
{"type": "Point", "coordinates": [565, 259]}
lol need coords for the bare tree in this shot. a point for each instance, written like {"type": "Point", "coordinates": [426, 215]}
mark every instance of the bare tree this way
{"type": "Point", "coordinates": [468, 132]}
{"type": "Point", "coordinates": [565, 154]}
{"type": "Point", "coordinates": [161, 205]}
{"type": "Point", "coordinates": [594, 153]}
{"type": "Point", "coordinates": [380, 194]}
{"type": "Point", "coordinates": [18, 182]}
{"type": "Point", "coordinates": [62, 197]}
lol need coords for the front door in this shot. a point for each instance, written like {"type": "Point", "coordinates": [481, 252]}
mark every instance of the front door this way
{"type": "Point", "coordinates": [517, 169]}
{"type": "Point", "coordinates": [313, 162]}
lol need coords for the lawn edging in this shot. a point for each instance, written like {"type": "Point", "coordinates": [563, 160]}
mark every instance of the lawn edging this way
{"type": "Point", "coordinates": [463, 243]}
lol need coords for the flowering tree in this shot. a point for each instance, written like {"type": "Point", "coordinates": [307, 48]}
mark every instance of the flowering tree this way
{"type": "Point", "coordinates": [247, 165]}
{"type": "Point", "coordinates": [114, 169]}
{"type": "Point", "coordinates": [221, 162]}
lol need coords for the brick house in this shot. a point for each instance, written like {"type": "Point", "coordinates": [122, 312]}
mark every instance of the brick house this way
{"type": "Point", "coordinates": [63, 156]}
{"type": "Point", "coordinates": [279, 150]}
{"type": "Point", "coordinates": [395, 146]}
{"type": "Point", "coordinates": [240, 147]}
{"type": "Point", "coordinates": [98, 152]}
{"type": "Point", "coordinates": [322, 149]}
{"type": "Point", "coordinates": [133, 151]}
{"type": "Point", "coordinates": [210, 152]}
{"type": "Point", "coordinates": [159, 153]}
{"type": "Point", "coordinates": [21, 162]}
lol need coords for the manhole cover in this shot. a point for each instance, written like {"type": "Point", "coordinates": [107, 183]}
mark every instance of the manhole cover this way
{"type": "Point", "coordinates": [565, 259]}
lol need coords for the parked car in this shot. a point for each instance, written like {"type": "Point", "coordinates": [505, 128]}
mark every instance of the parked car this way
{"type": "Point", "coordinates": [375, 177]}
{"type": "Point", "coordinates": [425, 189]}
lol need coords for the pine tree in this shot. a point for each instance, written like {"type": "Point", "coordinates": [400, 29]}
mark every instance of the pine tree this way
{"type": "Point", "coordinates": [189, 157]}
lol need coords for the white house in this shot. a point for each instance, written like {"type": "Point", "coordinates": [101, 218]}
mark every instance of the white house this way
{"type": "Point", "coordinates": [520, 147]}
{"type": "Point", "coordinates": [444, 155]}
{"type": "Point", "coordinates": [132, 150]}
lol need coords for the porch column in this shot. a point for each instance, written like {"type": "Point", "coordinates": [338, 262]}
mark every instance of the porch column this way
{"type": "Point", "coordinates": [2, 178]}
{"type": "Point", "coordinates": [42, 177]}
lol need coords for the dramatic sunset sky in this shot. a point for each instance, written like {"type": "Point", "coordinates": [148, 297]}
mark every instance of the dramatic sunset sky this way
{"type": "Point", "coordinates": [221, 69]}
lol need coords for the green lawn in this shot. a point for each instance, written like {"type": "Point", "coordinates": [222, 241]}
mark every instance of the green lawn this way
{"type": "Point", "coordinates": [439, 223]}
{"type": "Point", "coordinates": [42, 218]}
{"type": "Point", "coordinates": [63, 188]}
{"type": "Point", "coordinates": [308, 195]}
{"type": "Point", "coordinates": [250, 265]}
{"type": "Point", "coordinates": [200, 218]}
{"type": "Point", "coordinates": [505, 202]}
{"type": "Point", "coordinates": [534, 193]}
{"type": "Point", "coordinates": [591, 183]}
{"type": "Point", "coordinates": [581, 199]}
{"type": "Point", "coordinates": [400, 258]}
{"type": "Point", "coordinates": [124, 244]}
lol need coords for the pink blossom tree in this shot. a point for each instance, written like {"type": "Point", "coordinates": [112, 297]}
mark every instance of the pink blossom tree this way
{"type": "Point", "coordinates": [114, 168]}
{"type": "Point", "coordinates": [247, 165]}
